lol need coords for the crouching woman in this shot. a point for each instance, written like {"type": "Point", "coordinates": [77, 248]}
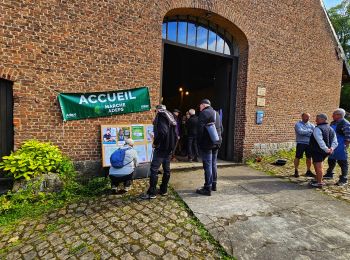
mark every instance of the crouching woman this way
{"type": "Point", "coordinates": [124, 173]}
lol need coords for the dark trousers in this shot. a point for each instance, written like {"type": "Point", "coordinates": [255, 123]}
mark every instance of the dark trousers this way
{"type": "Point", "coordinates": [158, 160]}
{"type": "Point", "coordinates": [127, 180]}
{"type": "Point", "coordinates": [192, 147]}
{"type": "Point", "coordinates": [344, 166]}
{"type": "Point", "coordinates": [209, 158]}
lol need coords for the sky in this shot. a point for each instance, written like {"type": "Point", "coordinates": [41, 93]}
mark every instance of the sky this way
{"type": "Point", "coordinates": [331, 3]}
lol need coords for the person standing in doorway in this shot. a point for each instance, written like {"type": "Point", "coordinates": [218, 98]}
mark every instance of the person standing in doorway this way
{"type": "Point", "coordinates": [322, 143]}
{"type": "Point", "coordinates": [176, 115]}
{"type": "Point", "coordinates": [192, 130]}
{"type": "Point", "coordinates": [164, 142]}
{"type": "Point", "coordinates": [208, 148]}
{"type": "Point", "coordinates": [341, 126]}
{"type": "Point", "coordinates": [303, 132]}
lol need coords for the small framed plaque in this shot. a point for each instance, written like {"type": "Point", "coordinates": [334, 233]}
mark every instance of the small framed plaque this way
{"type": "Point", "coordinates": [260, 101]}
{"type": "Point", "coordinates": [262, 91]}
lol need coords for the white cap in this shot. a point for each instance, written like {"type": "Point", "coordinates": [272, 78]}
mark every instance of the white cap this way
{"type": "Point", "coordinates": [129, 141]}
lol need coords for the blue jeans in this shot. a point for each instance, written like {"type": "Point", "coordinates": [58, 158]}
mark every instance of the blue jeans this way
{"type": "Point", "coordinates": [209, 158]}
{"type": "Point", "coordinates": [157, 161]}
{"type": "Point", "coordinates": [344, 166]}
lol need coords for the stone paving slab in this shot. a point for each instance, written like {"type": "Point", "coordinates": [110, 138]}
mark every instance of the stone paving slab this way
{"type": "Point", "coordinates": [110, 227]}
{"type": "Point", "coordinates": [256, 216]}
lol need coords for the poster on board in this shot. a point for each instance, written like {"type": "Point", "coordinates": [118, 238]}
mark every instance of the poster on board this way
{"type": "Point", "coordinates": [109, 135]}
{"type": "Point", "coordinates": [138, 133]}
{"type": "Point", "coordinates": [149, 133]}
{"type": "Point", "coordinates": [141, 152]}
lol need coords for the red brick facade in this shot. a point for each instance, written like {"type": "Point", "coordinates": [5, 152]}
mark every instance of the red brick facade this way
{"type": "Point", "coordinates": [47, 47]}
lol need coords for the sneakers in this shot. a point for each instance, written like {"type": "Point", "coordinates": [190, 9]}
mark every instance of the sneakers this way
{"type": "Point", "coordinates": [203, 191]}
{"type": "Point", "coordinates": [296, 174]}
{"type": "Point", "coordinates": [162, 193]}
{"type": "Point", "coordinates": [195, 159]}
{"type": "Point", "coordinates": [213, 187]}
{"type": "Point", "coordinates": [315, 184]}
{"type": "Point", "coordinates": [127, 188]}
{"type": "Point", "coordinates": [342, 183]}
{"type": "Point", "coordinates": [328, 176]}
{"type": "Point", "coordinates": [310, 174]}
{"type": "Point", "coordinates": [147, 196]}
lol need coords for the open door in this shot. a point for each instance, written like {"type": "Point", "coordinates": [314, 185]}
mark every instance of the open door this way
{"type": "Point", "coordinates": [6, 118]}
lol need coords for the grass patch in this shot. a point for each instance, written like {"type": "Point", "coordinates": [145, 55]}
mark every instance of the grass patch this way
{"type": "Point", "coordinates": [203, 232]}
{"type": "Point", "coordinates": [74, 250]}
{"type": "Point", "coordinates": [54, 226]}
{"type": "Point", "coordinates": [24, 206]}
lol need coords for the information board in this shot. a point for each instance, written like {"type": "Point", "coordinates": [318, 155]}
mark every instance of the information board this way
{"type": "Point", "coordinates": [114, 136]}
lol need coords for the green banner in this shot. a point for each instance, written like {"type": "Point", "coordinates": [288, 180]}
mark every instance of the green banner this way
{"type": "Point", "coordinates": [76, 106]}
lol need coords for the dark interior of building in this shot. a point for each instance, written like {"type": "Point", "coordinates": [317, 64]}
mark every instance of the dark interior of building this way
{"type": "Point", "coordinates": [199, 75]}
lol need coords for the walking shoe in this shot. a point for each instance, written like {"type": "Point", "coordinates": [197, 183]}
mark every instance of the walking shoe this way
{"type": "Point", "coordinates": [189, 160]}
{"type": "Point", "coordinates": [195, 159]}
{"type": "Point", "coordinates": [147, 196]}
{"type": "Point", "coordinates": [310, 174]}
{"type": "Point", "coordinates": [127, 188]}
{"type": "Point", "coordinates": [203, 191]}
{"type": "Point", "coordinates": [315, 184]}
{"type": "Point", "coordinates": [213, 187]}
{"type": "Point", "coordinates": [342, 183]}
{"type": "Point", "coordinates": [328, 176]}
{"type": "Point", "coordinates": [162, 193]}
{"type": "Point", "coordinates": [296, 174]}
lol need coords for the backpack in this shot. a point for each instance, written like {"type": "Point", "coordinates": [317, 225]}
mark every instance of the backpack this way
{"type": "Point", "coordinates": [213, 133]}
{"type": "Point", "coordinates": [117, 158]}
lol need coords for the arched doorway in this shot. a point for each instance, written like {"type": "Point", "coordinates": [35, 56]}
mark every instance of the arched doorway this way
{"type": "Point", "coordinates": [200, 61]}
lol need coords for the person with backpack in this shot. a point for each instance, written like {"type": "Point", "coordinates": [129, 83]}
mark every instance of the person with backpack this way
{"type": "Point", "coordinates": [341, 126]}
{"type": "Point", "coordinates": [164, 142]}
{"type": "Point", "coordinates": [209, 140]}
{"type": "Point", "coordinates": [123, 163]}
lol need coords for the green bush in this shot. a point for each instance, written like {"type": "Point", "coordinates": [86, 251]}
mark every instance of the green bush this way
{"type": "Point", "coordinates": [35, 158]}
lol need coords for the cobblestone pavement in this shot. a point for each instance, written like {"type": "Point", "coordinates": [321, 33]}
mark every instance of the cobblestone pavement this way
{"type": "Point", "coordinates": [287, 172]}
{"type": "Point", "coordinates": [110, 227]}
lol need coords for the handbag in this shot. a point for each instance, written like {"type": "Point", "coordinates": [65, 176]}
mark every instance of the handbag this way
{"type": "Point", "coordinates": [213, 133]}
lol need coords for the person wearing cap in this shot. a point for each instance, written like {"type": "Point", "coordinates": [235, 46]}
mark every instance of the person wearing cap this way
{"type": "Point", "coordinates": [124, 175]}
{"type": "Point", "coordinates": [208, 149]}
{"type": "Point", "coordinates": [322, 143]}
{"type": "Point", "coordinates": [164, 142]}
{"type": "Point", "coordinates": [341, 126]}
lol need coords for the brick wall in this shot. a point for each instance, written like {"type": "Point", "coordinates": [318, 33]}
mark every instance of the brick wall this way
{"type": "Point", "coordinates": [48, 46]}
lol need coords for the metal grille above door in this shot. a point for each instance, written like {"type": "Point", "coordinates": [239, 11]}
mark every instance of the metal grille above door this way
{"type": "Point", "coordinates": [6, 118]}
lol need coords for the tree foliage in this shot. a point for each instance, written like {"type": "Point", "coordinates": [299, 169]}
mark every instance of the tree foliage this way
{"type": "Point", "coordinates": [340, 18]}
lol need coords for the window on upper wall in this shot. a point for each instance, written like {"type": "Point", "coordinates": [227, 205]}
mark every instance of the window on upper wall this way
{"type": "Point", "coordinates": [189, 31]}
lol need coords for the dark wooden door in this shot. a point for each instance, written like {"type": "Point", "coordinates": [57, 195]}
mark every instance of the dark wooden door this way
{"type": "Point", "coordinates": [6, 118]}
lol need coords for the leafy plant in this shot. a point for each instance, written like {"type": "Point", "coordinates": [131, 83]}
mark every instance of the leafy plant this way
{"type": "Point", "coordinates": [35, 158]}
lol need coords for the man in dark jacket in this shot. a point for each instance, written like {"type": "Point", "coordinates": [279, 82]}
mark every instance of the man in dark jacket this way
{"type": "Point", "coordinates": [322, 143]}
{"type": "Point", "coordinates": [341, 126]}
{"type": "Point", "coordinates": [208, 148]}
{"type": "Point", "coordinates": [164, 142]}
{"type": "Point", "coordinates": [192, 129]}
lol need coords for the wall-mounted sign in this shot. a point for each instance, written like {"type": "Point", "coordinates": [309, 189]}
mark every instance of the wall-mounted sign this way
{"type": "Point", "coordinates": [260, 101]}
{"type": "Point", "coordinates": [259, 117]}
{"type": "Point", "coordinates": [76, 106]}
{"type": "Point", "coordinates": [261, 91]}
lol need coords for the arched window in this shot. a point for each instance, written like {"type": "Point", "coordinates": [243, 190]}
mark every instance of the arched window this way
{"type": "Point", "coordinates": [199, 33]}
